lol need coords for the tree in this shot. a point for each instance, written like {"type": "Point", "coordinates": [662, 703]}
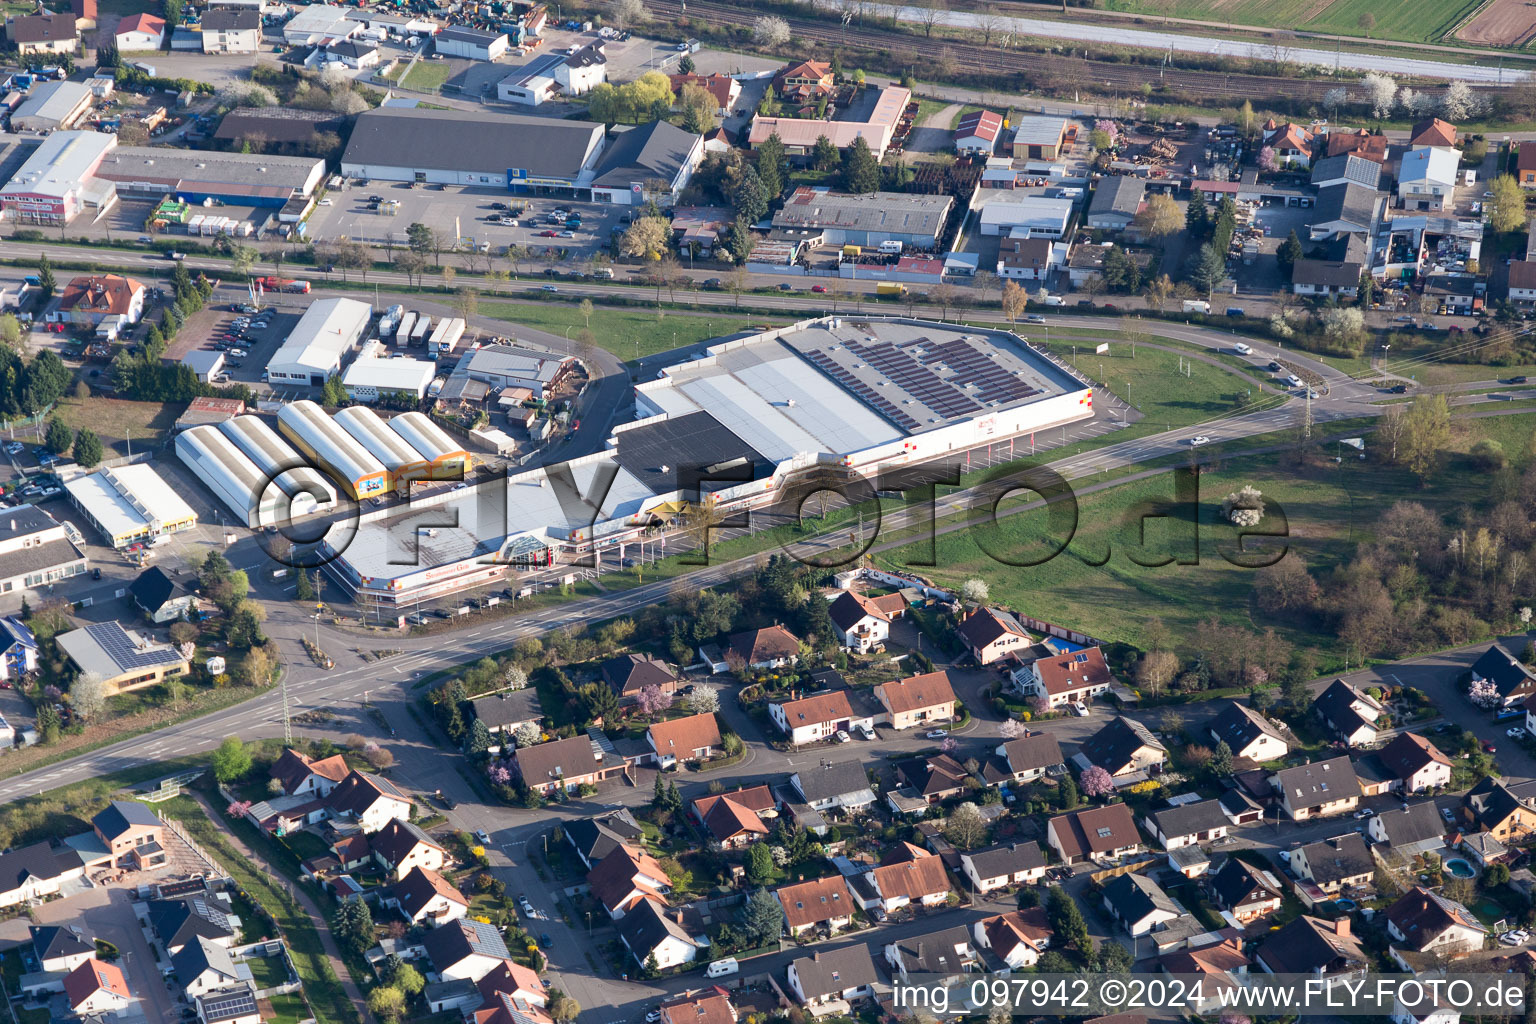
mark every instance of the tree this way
{"type": "Point", "coordinates": [352, 923]}
{"type": "Point", "coordinates": [686, 66]}
{"type": "Point", "coordinates": [703, 700]}
{"type": "Point", "coordinates": [825, 156]}
{"type": "Point", "coordinates": [646, 238]}
{"type": "Point", "coordinates": [88, 449]}
{"type": "Point", "coordinates": [88, 695]}
{"type": "Point", "coordinates": [387, 1003]}
{"type": "Point", "coordinates": [46, 285]}
{"type": "Point", "coordinates": [1067, 921]}
{"type": "Point", "coordinates": [1208, 270]}
{"type": "Point", "coordinates": [769, 31]}
{"type": "Point", "coordinates": [628, 13]}
{"type": "Point", "coordinates": [479, 740]}
{"type": "Point", "coordinates": [1289, 252]}
{"type": "Point", "coordinates": [1156, 670]}
{"type": "Point", "coordinates": [1380, 93]}
{"type": "Point", "coordinates": [861, 171]}
{"type": "Point", "coordinates": [1285, 586]}
{"type": "Point", "coordinates": [1112, 958]}
{"type": "Point", "coordinates": [1221, 760]}
{"type": "Point", "coordinates": [1160, 218]}
{"type": "Point", "coordinates": [107, 55]}
{"type": "Point", "coordinates": [231, 761]}
{"type": "Point", "coordinates": [759, 864]}
{"type": "Point", "coordinates": [762, 918]}
{"type": "Point", "coordinates": [772, 166]}
{"type": "Point", "coordinates": [602, 703]}
{"type": "Point", "coordinates": [58, 438]}
{"type": "Point", "coordinates": [525, 735]}
{"type": "Point", "coordinates": [698, 108]}
{"type": "Point", "coordinates": [243, 631]}
{"type": "Point", "coordinates": [965, 827]}
{"type": "Point", "coordinates": [562, 1008]}
{"type": "Point", "coordinates": [1458, 102]}
{"type": "Point", "coordinates": [974, 591]}
{"type": "Point", "coordinates": [1197, 216]}
{"type": "Point", "coordinates": [1015, 301]}
{"type": "Point", "coordinates": [1426, 430]}
{"type": "Point", "coordinates": [653, 700]}
{"type": "Point", "coordinates": [1366, 21]}
{"type": "Point", "coordinates": [1097, 782]}
{"type": "Point", "coordinates": [1506, 210]}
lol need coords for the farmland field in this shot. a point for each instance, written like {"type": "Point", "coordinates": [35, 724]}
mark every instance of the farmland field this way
{"type": "Point", "coordinates": [1501, 23]}
{"type": "Point", "coordinates": [1407, 20]}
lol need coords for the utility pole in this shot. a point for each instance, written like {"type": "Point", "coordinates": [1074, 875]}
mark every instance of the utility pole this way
{"type": "Point", "coordinates": [287, 721]}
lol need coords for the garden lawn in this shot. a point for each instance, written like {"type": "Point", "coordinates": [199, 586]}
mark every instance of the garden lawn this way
{"type": "Point", "coordinates": [267, 971]}
{"type": "Point", "coordinates": [427, 76]}
{"type": "Point", "coordinates": [1414, 21]}
{"type": "Point", "coordinates": [118, 423]}
{"type": "Point", "coordinates": [627, 333]}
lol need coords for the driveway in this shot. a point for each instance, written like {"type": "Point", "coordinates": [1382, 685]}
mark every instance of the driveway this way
{"type": "Point", "coordinates": [107, 914]}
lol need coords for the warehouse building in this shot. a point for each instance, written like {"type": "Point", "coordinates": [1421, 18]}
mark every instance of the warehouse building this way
{"type": "Point", "coordinates": [57, 181]}
{"type": "Point", "coordinates": [318, 24]}
{"type": "Point", "coordinates": [196, 175]}
{"type": "Point", "coordinates": [35, 551]}
{"type": "Point", "coordinates": [1038, 137]}
{"type": "Point", "coordinates": [51, 107]}
{"type": "Point", "coordinates": [402, 462]}
{"type": "Point", "coordinates": [326, 332]}
{"type": "Point", "coordinates": [1020, 215]}
{"type": "Point", "coordinates": [512, 366]}
{"type": "Point", "coordinates": [232, 477]}
{"type": "Point", "coordinates": [130, 504]}
{"type": "Point", "coordinates": [841, 218]}
{"type": "Point", "coordinates": [471, 43]}
{"type": "Point", "coordinates": [651, 163]}
{"type": "Point", "coordinates": [451, 147]}
{"type": "Point", "coordinates": [446, 458]}
{"type": "Point", "coordinates": [353, 468]}
{"type": "Point", "coordinates": [370, 376]}
{"type": "Point", "coordinates": [1116, 201]}
{"type": "Point", "coordinates": [306, 489]}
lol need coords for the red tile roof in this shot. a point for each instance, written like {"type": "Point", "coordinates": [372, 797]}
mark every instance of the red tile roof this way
{"type": "Point", "coordinates": [680, 737]}
{"type": "Point", "coordinates": [821, 899]}
{"type": "Point", "coordinates": [1074, 671]}
{"type": "Point", "coordinates": [928, 690]}
{"type": "Point", "coordinates": [141, 23]}
{"type": "Point", "coordinates": [1433, 132]}
{"type": "Point", "coordinates": [818, 709]}
{"type": "Point", "coordinates": [711, 1006]}
{"type": "Point", "coordinates": [981, 124]}
{"type": "Point", "coordinates": [1078, 831]}
{"type": "Point", "coordinates": [924, 876]}
{"type": "Point", "coordinates": [107, 294]}
{"type": "Point", "coordinates": [93, 976]}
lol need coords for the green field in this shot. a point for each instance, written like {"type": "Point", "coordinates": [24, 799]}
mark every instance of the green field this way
{"type": "Point", "coordinates": [627, 333]}
{"type": "Point", "coordinates": [1414, 21]}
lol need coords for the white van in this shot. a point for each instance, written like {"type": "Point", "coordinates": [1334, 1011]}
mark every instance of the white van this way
{"type": "Point", "coordinates": [1242, 350]}
{"type": "Point", "coordinates": [1293, 381]}
{"type": "Point", "coordinates": [721, 968]}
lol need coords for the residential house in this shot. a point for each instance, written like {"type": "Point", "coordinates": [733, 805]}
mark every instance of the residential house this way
{"type": "Point", "coordinates": [1187, 824]}
{"type": "Point", "coordinates": [1525, 166]}
{"type": "Point", "coordinates": [1334, 865]}
{"type": "Point", "coordinates": [917, 701]}
{"type": "Point", "coordinates": [1482, 848]}
{"type": "Point", "coordinates": [694, 738]}
{"type": "Point", "coordinates": [466, 949]}
{"type": "Point", "coordinates": [804, 83]}
{"type": "Point", "coordinates": [596, 837]}
{"type": "Point", "coordinates": [1248, 734]}
{"type": "Point", "coordinates": [817, 717]}
{"type": "Point", "coordinates": [840, 785]}
{"type": "Point", "coordinates": [96, 988]}
{"type": "Point", "coordinates": [654, 931]}
{"type": "Point", "coordinates": [139, 32]}
{"type": "Point", "coordinates": [1189, 861]}
{"type": "Point", "coordinates": [1317, 789]}
{"type": "Point", "coordinates": [935, 779]}
{"type": "Point", "coordinates": [909, 875]}
{"type": "Point", "coordinates": [1427, 1010]}
{"type": "Point", "coordinates": [1016, 938]}
{"type": "Point", "coordinates": [1029, 757]}
{"type": "Point", "coordinates": [1417, 762]}
{"type": "Point", "coordinates": [107, 303]}
{"type": "Point", "coordinates": [1217, 967]}
{"type": "Point", "coordinates": [708, 1006]}
{"type": "Point", "coordinates": [1409, 830]}
{"type": "Point", "coordinates": [991, 634]}
{"type": "Point", "coordinates": [401, 847]}
{"type": "Point", "coordinates": [1350, 713]}
{"type": "Point", "coordinates": [1029, 259]}
{"type": "Point", "coordinates": [1426, 178]}
{"type": "Point", "coordinates": [35, 872]}
{"type": "Point", "coordinates": [1125, 748]}
{"type": "Point", "coordinates": [506, 712]}
{"type": "Point", "coordinates": [1508, 812]}
{"type": "Point", "coordinates": [946, 955]}
{"type": "Point", "coordinates": [736, 819]}
{"type": "Point", "coordinates": [1428, 922]}
{"type": "Point", "coordinates": [301, 775]}
{"type": "Point", "coordinates": [1509, 676]}
{"type": "Point", "coordinates": [625, 878]}
{"type": "Point", "coordinates": [861, 625]}
{"type": "Point", "coordinates": [1244, 891]}
{"type": "Point", "coordinates": [1068, 678]}
{"type": "Point", "coordinates": [18, 649]}
{"type": "Point", "coordinates": [426, 897]}
{"type": "Point", "coordinates": [1336, 278]}
{"type": "Point", "coordinates": [977, 133]}
{"type": "Point", "coordinates": [203, 966]}
{"type": "Point", "coordinates": [1360, 142]}
{"type": "Point", "coordinates": [834, 978]}
{"type": "Point", "coordinates": [628, 674]}
{"type": "Point", "coordinates": [1292, 144]}
{"type": "Point", "coordinates": [1116, 200]}
{"type": "Point", "coordinates": [58, 949]}
{"type": "Point", "coordinates": [1103, 835]}
{"type": "Point", "coordinates": [370, 800]}
{"type": "Point", "coordinates": [512, 986]}
{"type": "Point", "coordinates": [997, 867]}
{"type": "Point", "coordinates": [1139, 904]}
{"type": "Point", "coordinates": [1433, 132]}
{"type": "Point", "coordinates": [1310, 945]}
{"type": "Point", "coordinates": [231, 31]}
{"type": "Point", "coordinates": [724, 89]}
{"type": "Point", "coordinates": [160, 597]}
{"type": "Point", "coordinates": [177, 922]}
{"type": "Point", "coordinates": [566, 764]}
{"type": "Point", "coordinates": [771, 647]}
{"type": "Point", "coordinates": [822, 902]}
{"type": "Point", "coordinates": [42, 33]}
{"type": "Point", "coordinates": [132, 833]}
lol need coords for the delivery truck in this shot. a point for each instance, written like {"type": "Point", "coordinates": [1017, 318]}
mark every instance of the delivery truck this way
{"type": "Point", "coordinates": [892, 288]}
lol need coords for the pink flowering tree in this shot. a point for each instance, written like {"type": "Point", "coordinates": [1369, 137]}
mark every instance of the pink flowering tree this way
{"type": "Point", "coordinates": [1268, 161]}
{"type": "Point", "coordinates": [499, 774]}
{"type": "Point", "coordinates": [1483, 693]}
{"type": "Point", "coordinates": [950, 745]}
{"type": "Point", "coordinates": [1010, 729]}
{"type": "Point", "coordinates": [238, 808]}
{"type": "Point", "coordinates": [1096, 782]}
{"type": "Point", "coordinates": [652, 700]}
{"type": "Point", "coordinates": [1109, 128]}
{"type": "Point", "coordinates": [1040, 705]}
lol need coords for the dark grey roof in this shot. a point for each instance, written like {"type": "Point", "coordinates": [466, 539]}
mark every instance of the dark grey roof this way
{"type": "Point", "coordinates": [1504, 670]}
{"type": "Point", "coordinates": [40, 860]}
{"type": "Point", "coordinates": [458, 140]}
{"type": "Point", "coordinates": [121, 815]}
{"type": "Point", "coordinates": [53, 941]}
{"type": "Point", "coordinates": [1334, 860]}
{"type": "Point", "coordinates": [827, 783]}
{"type": "Point", "coordinates": [1336, 703]}
{"type": "Point", "coordinates": [24, 519]}
{"type": "Point", "coordinates": [656, 150]}
{"type": "Point", "coordinates": [199, 956]}
{"type": "Point", "coordinates": [656, 443]}
{"type": "Point", "coordinates": [835, 971]}
{"type": "Point", "coordinates": [1348, 165]}
{"type": "Point", "coordinates": [936, 952]}
{"type": "Point", "coordinates": [152, 589]}
{"type": "Point", "coordinates": [1188, 819]}
{"type": "Point", "coordinates": [587, 56]}
{"type": "Point", "coordinates": [1326, 273]}
{"type": "Point", "coordinates": [644, 928]}
{"type": "Point", "coordinates": [1347, 202]}
{"type": "Point", "coordinates": [222, 19]}
{"type": "Point", "coordinates": [450, 943]}
{"type": "Point", "coordinates": [1134, 896]}
{"type": "Point", "coordinates": [276, 124]}
{"type": "Point", "coordinates": [178, 921]}
{"type": "Point", "coordinates": [1037, 750]}
{"type": "Point", "coordinates": [1318, 782]}
{"type": "Point", "coordinates": [1118, 193]}
{"type": "Point", "coordinates": [1005, 859]}
{"type": "Point", "coordinates": [1238, 725]}
{"type": "Point", "coordinates": [599, 836]}
{"type": "Point", "coordinates": [460, 34]}
{"type": "Point", "coordinates": [1113, 746]}
{"type": "Point", "coordinates": [227, 1004]}
{"type": "Point", "coordinates": [1309, 945]}
{"type": "Point", "coordinates": [500, 710]}
{"type": "Point", "coordinates": [1415, 823]}
{"type": "Point", "coordinates": [1235, 881]}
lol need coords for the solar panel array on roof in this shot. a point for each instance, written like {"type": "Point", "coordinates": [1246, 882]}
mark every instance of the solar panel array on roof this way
{"type": "Point", "coordinates": [230, 1005]}
{"type": "Point", "coordinates": [112, 638]}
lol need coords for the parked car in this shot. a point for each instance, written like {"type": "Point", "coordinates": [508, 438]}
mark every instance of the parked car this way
{"type": "Point", "coordinates": [1447, 814]}
{"type": "Point", "coordinates": [819, 289]}
{"type": "Point", "coordinates": [842, 736]}
{"type": "Point", "coordinates": [1489, 747]}
{"type": "Point", "coordinates": [1364, 812]}
{"type": "Point", "coordinates": [483, 837]}
{"type": "Point", "coordinates": [936, 734]}
{"type": "Point", "coordinates": [1516, 733]}
{"type": "Point", "coordinates": [786, 287]}
{"type": "Point", "coordinates": [1080, 709]}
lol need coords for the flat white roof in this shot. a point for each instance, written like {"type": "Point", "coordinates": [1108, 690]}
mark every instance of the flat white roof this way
{"type": "Point", "coordinates": [427, 437]}
{"type": "Point", "coordinates": [60, 164]}
{"type": "Point", "coordinates": [320, 338]}
{"type": "Point", "coordinates": [126, 499]}
{"type": "Point", "coordinates": [390, 374]}
{"type": "Point", "coordinates": [54, 100]}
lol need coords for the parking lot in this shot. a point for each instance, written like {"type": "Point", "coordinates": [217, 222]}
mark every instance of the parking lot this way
{"type": "Point", "coordinates": [463, 209]}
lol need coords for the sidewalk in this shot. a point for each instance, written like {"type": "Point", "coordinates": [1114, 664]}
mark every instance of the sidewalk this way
{"type": "Point", "coordinates": [308, 904]}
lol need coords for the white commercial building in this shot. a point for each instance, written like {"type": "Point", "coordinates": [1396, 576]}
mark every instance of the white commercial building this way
{"type": "Point", "coordinates": [52, 106]}
{"type": "Point", "coordinates": [471, 43]}
{"type": "Point", "coordinates": [130, 504]}
{"type": "Point", "coordinates": [319, 437]}
{"type": "Point", "coordinates": [1017, 214]}
{"type": "Point", "coordinates": [403, 462]}
{"type": "Point", "coordinates": [534, 83]}
{"type": "Point", "coordinates": [305, 488]}
{"type": "Point", "coordinates": [35, 551]}
{"type": "Point", "coordinates": [318, 24]}
{"type": "Point", "coordinates": [369, 377]}
{"type": "Point", "coordinates": [233, 478]}
{"type": "Point", "coordinates": [231, 31]}
{"type": "Point", "coordinates": [57, 181]}
{"type": "Point", "coordinates": [447, 459]}
{"type": "Point", "coordinates": [326, 332]}
{"type": "Point", "coordinates": [1426, 179]}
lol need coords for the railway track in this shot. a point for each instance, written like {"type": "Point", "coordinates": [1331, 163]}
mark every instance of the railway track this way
{"type": "Point", "coordinates": [1057, 74]}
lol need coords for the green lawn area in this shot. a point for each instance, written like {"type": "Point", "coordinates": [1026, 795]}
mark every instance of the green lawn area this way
{"type": "Point", "coordinates": [427, 76]}
{"type": "Point", "coordinates": [32, 1016]}
{"type": "Point", "coordinates": [306, 845]}
{"type": "Point", "coordinates": [627, 333]}
{"type": "Point", "coordinates": [288, 1009]}
{"type": "Point", "coordinates": [120, 424]}
{"type": "Point", "coordinates": [1408, 20]}
{"type": "Point", "coordinates": [267, 971]}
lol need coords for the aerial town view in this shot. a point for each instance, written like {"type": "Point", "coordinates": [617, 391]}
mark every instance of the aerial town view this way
{"type": "Point", "coordinates": [667, 512]}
